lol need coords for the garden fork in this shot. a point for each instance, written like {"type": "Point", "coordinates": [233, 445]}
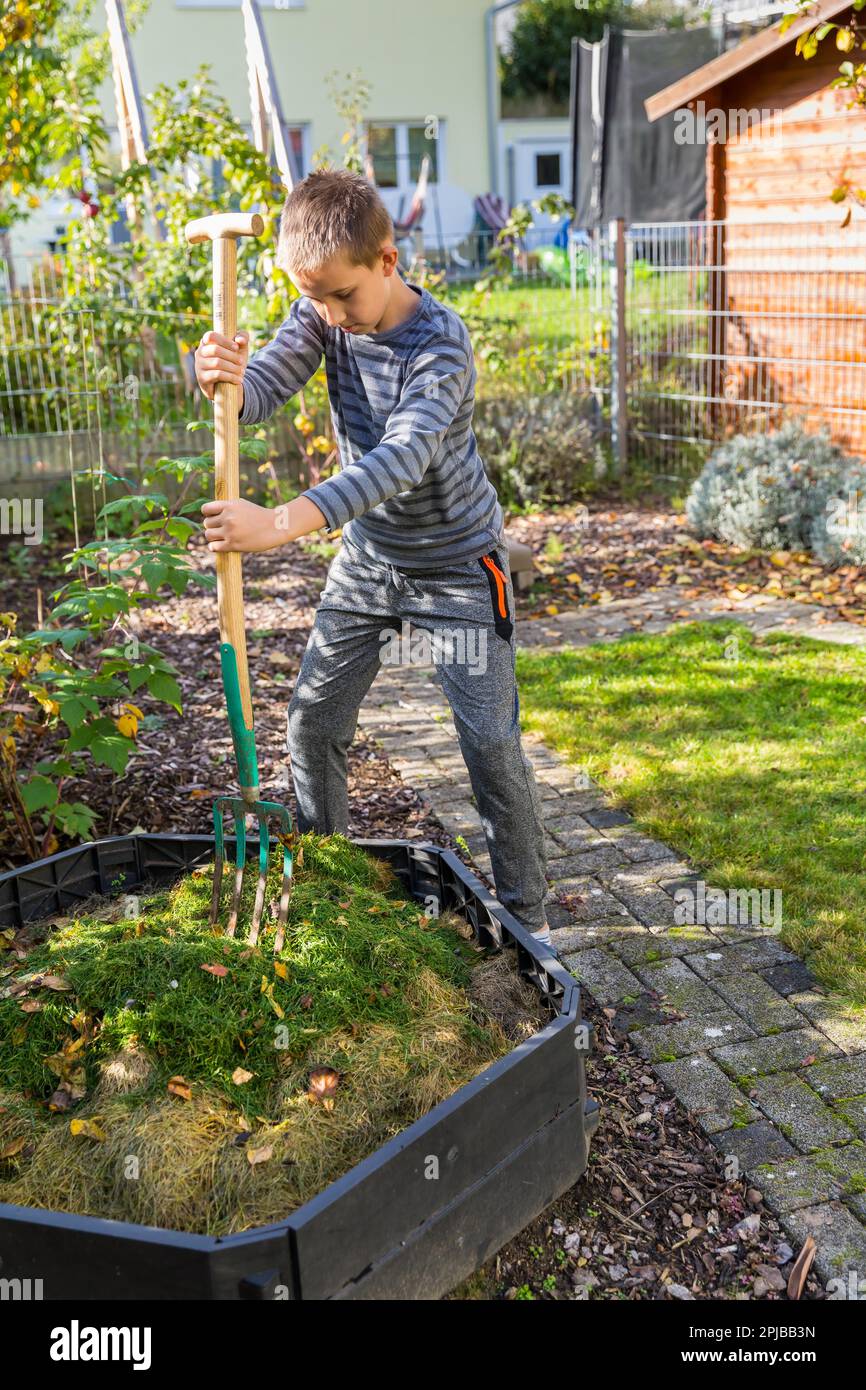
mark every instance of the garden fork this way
{"type": "Point", "coordinates": [223, 230]}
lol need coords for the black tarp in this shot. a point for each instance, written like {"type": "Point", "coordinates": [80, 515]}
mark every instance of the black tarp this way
{"type": "Point", "coordinates": [623, 165]}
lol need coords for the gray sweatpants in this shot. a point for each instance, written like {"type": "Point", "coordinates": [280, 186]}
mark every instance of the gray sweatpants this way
{"type": "Point", "coordinates": [459, 618]}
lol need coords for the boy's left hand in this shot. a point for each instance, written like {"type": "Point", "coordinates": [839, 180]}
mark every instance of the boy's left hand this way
{"type": "Point", "coordinates": [241, 525]}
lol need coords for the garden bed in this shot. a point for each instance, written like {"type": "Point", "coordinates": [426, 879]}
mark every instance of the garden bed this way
{"type": "Point", "coordinates": [475, 1134]}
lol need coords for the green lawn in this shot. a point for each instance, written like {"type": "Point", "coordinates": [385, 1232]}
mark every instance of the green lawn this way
{"type": "Point", "coordinates": [754, 767]}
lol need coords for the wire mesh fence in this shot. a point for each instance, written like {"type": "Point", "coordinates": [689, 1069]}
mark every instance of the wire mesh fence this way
{"type": "Point", "coordinates": [94, 381]}
{"type": "Point", "coordinates": [662, 338]}
{"type": "Point", "coordinates": [732, 327]}
{"type": "Point", "coordinates": [84, 382]}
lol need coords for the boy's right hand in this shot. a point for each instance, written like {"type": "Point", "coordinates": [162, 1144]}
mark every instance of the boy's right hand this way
{"type": "Point", "coordinates": [220, 359]}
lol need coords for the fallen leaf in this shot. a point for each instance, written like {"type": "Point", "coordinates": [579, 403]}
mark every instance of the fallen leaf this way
{"type": "Point", "coordinates": [260, 1155]}
{"type": "Point", "coordinates": [55, 982]}
{"type": "Point", "coordinates": [240, 1077]}
{"type": "Point", "coordinates": [11, 1149]}
{"type": "Point", "coordinates": [88, 1129]}
{"type": "Point", "coordinates": [281, 970]}
{"type": "Point", "coordinates": [268, 991]}
{"type": "Point", "coordinates": [802, 1265]}
{"type": "Point", "coordinates": [219, 970]}
{"type": "Point", "coordinates": [178, 1086]}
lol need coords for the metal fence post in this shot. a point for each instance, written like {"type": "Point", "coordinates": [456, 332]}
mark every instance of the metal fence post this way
{"type": "Point", "coordinates": [618, 410]}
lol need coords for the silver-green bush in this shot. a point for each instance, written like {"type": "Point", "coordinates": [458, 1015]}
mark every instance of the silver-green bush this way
{"type": "Point", "coordinates": [787, 490]}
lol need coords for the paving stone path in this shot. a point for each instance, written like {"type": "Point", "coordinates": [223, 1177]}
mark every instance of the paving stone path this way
{"type": "Point", "coordinates": [733, 1023]}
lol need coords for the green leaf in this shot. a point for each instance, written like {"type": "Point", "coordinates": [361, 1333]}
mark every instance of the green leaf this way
{"type": "Point", "coordinates": [113, 750]}
{"type": "Point", "coordinates": [66, 636]}
{"type": "Point", "coordinates": [56, 767]}
{"type": "Point", "coordinates": [131, 504]}
{"type": "Point", "coordinates": [74, 712]}
{"type": "Point", "coordinates": [154, 573]}
{"type": "Point", "coordinates": [255, 449]}
{"type": "Point", "coordinates": [38, 794]}
{"type": "Point", "coordinates": [180, 528]}
{"type": "Point", "coordinates": [137, 675]}
{"type": "Point", "coordinates": [74, 818]}
{"type": "Point", "coordinates": [86, 733]}
{"type": "Point", "coordinates": [164, 687]}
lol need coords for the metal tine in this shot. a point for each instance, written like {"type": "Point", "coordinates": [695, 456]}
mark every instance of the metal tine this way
{"type": "Point", "coordinates": [240, 811]}
{"type": "Point", "coordinates": [240, 858]}
{"type": "Point", "coordinates": [264, 855]}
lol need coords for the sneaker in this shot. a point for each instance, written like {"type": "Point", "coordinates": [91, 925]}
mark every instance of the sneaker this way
{"type": "Point", "coordinates": [546, 941]}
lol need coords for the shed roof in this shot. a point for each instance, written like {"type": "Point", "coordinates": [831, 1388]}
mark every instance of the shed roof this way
{"type": "Point", "coordinates": [709, 75]}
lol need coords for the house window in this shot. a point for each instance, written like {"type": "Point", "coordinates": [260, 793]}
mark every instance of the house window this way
{"type": "Point", "coordinates": [421, 142]}
{"type": "Point", "coordinates": [548, 170]}
{"type": "Point", "coordinates": [397, 149]}
{"type": "Point", "coordinates": [297, 138]}
{"type": "Point", "coordinates": [382, 145]}
{"type": "Point", "coordinates": [297, 145]}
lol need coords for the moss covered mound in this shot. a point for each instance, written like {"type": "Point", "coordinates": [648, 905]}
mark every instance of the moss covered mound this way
{"type": "Point", "coordinates": [156, 1071]}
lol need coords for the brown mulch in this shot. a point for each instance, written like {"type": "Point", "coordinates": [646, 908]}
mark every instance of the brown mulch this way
{"type": "Point", "coordinates": [617, 553]}
{"type": "Point", "coordinates": [654, 1217]}
{"type": "Point", "coordinates": [184, 761]}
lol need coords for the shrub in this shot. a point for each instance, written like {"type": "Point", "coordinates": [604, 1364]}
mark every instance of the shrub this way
{"type": "Point", "coordinates": [538, 450]}
{"type": "Point", "coordinates": [788, 490]}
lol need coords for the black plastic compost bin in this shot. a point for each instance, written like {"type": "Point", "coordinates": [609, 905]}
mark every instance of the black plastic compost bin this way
{"type": "Point", "coordinates": [413, 1219]}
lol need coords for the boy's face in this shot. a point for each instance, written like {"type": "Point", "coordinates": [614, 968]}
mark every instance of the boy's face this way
{"type": "Point", "coordinates": [350, 297]}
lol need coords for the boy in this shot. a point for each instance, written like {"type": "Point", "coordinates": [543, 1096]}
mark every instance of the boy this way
{"type": "Point", "coordinates": [421, 523]}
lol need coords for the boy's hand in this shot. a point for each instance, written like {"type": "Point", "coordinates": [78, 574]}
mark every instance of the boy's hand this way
{"type": "Point", "coordinates": [221, 359]}
{"type": "Point", "coordinates": [242, 525]}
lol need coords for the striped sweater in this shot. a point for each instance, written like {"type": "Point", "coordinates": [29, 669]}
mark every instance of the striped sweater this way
{"type": "Point", "coordinates": [412, 490]}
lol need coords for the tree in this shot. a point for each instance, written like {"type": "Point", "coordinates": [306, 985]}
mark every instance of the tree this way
{"type": "Point", "coordinates": [536, 63]}
{"type": "Point", "coordinates": [51, 67]}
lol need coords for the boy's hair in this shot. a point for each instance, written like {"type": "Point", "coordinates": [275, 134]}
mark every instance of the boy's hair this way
{"type": "Point", "coordinates": [332, 212]}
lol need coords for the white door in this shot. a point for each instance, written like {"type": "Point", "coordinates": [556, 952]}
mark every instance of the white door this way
{"type": "Point", "coordinates": [538, 167]}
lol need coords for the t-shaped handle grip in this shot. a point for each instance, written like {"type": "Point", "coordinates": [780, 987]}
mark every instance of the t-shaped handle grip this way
{"type": "Point", "coordinates": [224, 224]}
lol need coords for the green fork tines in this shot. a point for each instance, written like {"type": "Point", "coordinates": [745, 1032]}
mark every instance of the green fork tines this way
{"type": "Point", "coordinates": [240, 809]}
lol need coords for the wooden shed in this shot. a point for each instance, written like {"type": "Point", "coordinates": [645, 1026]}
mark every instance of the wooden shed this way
{"type": "Point", "coordinates": [786, 266]}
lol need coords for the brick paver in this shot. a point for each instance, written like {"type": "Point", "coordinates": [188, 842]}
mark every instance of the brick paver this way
{"type": "Point", "coordinates": [733, 1022]}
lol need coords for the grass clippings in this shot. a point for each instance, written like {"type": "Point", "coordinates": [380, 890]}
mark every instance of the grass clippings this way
{"type": "Point", "coordinates": [158, 1072]}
